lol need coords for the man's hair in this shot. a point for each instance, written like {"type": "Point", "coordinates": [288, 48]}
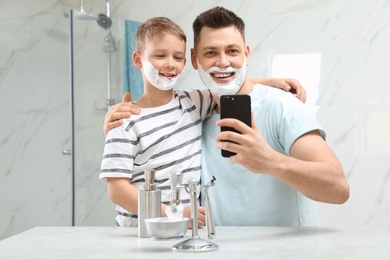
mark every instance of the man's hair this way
{"type": "Point", "coordinates": [217, 17]}
{"type": "Point", "coordinates": [157, 27]}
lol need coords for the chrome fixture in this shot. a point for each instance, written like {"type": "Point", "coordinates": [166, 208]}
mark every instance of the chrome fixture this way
{"type": "Point", "coordinates": [195, 243]}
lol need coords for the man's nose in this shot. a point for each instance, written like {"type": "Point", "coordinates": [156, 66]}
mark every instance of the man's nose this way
{"type": "Point", "coordinates": [223, 61]}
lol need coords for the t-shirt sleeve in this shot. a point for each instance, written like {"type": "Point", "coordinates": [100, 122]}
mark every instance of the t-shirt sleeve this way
{"type": "Point", "coordinates": [118, 155]}
{"type": "Point", "coordinates": [207, 104]}
{"type": "Point", "coordinates": [295, 120]}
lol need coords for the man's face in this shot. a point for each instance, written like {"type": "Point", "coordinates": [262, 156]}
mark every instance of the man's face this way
{"type": "Point", "coordinates": [223, 48]}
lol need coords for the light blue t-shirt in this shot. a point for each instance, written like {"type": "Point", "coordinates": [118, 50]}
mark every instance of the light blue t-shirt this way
{"type": "Point", "coordinates": [242, 198]}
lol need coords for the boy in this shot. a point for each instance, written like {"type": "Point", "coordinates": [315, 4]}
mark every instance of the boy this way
{"type": "Point", "coordinates": [166, 135]}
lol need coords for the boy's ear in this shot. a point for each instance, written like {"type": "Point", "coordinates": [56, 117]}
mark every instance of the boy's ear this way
{"type": "Point", "coordinates": [137, 59]}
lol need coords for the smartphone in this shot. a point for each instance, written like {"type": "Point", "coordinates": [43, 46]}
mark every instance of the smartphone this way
{"type": "Point", "coordinates": [238, 107]}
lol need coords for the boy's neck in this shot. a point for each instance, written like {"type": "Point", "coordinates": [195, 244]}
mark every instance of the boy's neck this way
{"type": "Point", "coordinates": [154, 97]}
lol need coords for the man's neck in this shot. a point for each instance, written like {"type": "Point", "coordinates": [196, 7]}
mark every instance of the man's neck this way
{"type": "Point", "coordinates": [246, 88]}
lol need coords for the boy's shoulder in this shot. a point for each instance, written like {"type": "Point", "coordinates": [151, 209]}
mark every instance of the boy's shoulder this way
{"type": "Point", "coordinates": [195, 96]}
{"type": "Point", "coordinates": [191, 92]}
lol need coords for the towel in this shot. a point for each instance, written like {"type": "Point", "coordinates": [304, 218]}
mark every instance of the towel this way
{"type": "Point", "coordinates": [132, 82]}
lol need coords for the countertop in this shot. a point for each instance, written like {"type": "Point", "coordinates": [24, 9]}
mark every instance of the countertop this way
{"type": "Point", "coordinates": [234, 243]}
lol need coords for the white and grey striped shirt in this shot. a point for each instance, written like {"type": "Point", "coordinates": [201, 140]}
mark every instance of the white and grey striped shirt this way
{"type": "Point", "coordinates": [165, 138]}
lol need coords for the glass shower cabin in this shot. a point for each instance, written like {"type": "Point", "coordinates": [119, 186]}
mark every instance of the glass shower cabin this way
{"type": "Point", "coordinates": [51, 135]}
{"type": "Point", "coordinates": [96, 62]}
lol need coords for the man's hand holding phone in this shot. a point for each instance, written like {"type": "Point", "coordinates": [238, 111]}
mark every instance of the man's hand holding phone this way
{"type": "Point", "coordinates": [234, 107]}
{"type": "Point", "coordinates": [250, 148]}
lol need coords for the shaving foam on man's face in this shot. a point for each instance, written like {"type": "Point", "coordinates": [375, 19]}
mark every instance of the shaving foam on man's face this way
{"type": "Point", "coordinates": [162, 82]}
{"type": "Point", "coordinates": [219, 89]}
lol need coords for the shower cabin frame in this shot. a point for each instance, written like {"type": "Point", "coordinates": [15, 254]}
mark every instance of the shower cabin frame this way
{"type": "Point", "coordinates": [72, 114]}
{"type": "Point", "coordinates": [103, 21]}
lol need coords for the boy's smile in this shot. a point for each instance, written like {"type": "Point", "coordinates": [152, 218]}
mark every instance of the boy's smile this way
{"type": "Point", "coordinates": [169, 76]}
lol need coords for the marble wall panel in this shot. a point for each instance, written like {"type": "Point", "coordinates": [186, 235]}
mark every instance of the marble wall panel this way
{"type": "Point", "coordinates": [352, 104]}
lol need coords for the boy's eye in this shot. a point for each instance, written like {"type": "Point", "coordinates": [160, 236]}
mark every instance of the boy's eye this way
{"type": "Point", "coordinates": [179, 58]}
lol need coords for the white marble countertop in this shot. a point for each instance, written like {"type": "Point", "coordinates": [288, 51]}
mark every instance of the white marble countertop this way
{"type": "Point", "coordinates": [233, 242]}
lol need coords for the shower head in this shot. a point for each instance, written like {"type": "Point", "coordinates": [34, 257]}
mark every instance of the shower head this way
{"type": "Point", "coordinates": [85, 16]}
{"type": "Point", "coordinates": [104, 21]}
{"type": "Point", "coordinates": [81, 15]}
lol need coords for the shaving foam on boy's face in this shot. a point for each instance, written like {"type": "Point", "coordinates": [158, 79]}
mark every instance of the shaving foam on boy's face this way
{"type": "Point", "coordinates": [164, 81]}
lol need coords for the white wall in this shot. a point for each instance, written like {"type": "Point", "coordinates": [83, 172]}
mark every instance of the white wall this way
{"type": "Point", "coordinates": [351, 94]}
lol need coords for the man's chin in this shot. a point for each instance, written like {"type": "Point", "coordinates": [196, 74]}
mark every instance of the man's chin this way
{"type": "Point", "coordinates": [222, 82]}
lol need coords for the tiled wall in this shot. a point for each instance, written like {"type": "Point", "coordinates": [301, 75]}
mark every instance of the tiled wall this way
{"type": "Point", "coordinates": [348, 88]}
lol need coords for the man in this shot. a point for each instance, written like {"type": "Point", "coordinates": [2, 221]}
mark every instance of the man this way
{"type": "Point", "coordinates": [282, 163]}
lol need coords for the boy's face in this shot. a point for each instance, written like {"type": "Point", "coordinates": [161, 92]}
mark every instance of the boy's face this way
{"type": "Point", "coordinates": [222, 47]}
{"type": "Point", "coordinates": [166, 54]}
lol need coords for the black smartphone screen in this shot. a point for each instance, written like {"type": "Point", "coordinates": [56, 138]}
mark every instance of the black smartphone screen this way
{"type": "Point", "coordinates": [238, 107]}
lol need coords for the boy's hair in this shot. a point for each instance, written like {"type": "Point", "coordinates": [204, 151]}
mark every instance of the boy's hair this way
{"type": "Point", "coordinates": [217, 17]}
{"type": "Point", "coordinates": [154, 28]}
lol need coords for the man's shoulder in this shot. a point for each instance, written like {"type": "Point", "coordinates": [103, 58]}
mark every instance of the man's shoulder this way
{"type": "Point", "coordinates": [259, 88]}
{"type": "Point", "coordinates": [272, 94]}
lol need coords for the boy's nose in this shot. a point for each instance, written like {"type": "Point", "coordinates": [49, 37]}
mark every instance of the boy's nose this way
{"type": "Point", "coordinates": [170, 63]}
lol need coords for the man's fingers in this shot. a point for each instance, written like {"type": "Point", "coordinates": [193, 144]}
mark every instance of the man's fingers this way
{"type": "Point", "coordinates": [107, 127]}
{"type": "Point", "coordinates": [126, 97]}
{"type": "Point", "coordinates": [234, 123]}
{"type": "Point", "coordinates": [117, 116]}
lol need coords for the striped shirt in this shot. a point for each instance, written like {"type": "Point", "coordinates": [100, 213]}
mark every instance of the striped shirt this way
{"type": "Point", "coordinates": [165, 138]}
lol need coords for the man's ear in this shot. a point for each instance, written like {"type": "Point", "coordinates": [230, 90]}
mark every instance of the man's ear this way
{"type": "Point", "coordinates": [247, 54]}
{"type": "Point", "coordinates": [193, 59]}
{"type": "Point", "coordinates": [137, 59]}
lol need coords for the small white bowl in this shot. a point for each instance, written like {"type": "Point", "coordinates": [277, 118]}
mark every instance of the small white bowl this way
{"type": "Point", "coordinates": [164, 228]}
